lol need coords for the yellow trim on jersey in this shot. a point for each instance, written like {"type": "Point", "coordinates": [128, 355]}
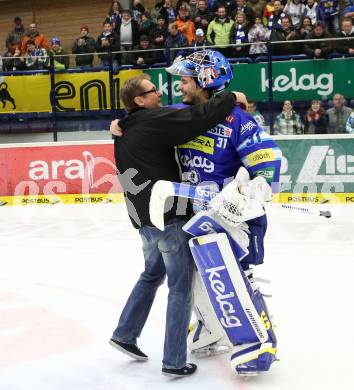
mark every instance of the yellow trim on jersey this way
{"type": "Point", "coordinates": [259, 157]}
{"type": "Point", "coordinates": [201, 143]}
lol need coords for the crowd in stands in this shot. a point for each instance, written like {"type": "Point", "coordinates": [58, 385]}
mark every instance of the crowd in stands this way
{"type": "Point", "coordinates": [193, 24]}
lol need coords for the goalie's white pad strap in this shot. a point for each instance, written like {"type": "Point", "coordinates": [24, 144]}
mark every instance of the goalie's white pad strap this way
{"type": "Point", "coordinates": [161, 190]}
{"type": "Point", "coordinates": [225, 283]}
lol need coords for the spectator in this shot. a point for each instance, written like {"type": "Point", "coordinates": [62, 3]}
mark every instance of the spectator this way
{"type": "Point", "coordinates": [328, 13]}
{"type": "Point", "coordinates": [33, 34]}
{"type": "Point", "coordinates": [147, 57]}
{"type": "Point", "coordinates": [318, 49]}
{"type": "Point", "coordinates": [193, 7]}
{"type": "Point", "coordinates": [128, 32]}
{"type": "Point", "coordinates": [316, 120]}
{"type": "Point", "coordinates": [349, 127]}
{"type": "Point", "coordinates": [258, 33]}
{"type": "Point", "coordinates": [175, 39]}
{"type": "Point", "coordinates": [108, 42]}
{"type": "Point", "coordinates": [61, 59]}
{"type": "Point", "coordinates": [295, 9]}
{"type": "Point", "coordinates": [200, 41]}
{"type": "Point", "coordinates": [346, 47]}
{"type": "Point", "coordinates": [240, 6]}
{"type": "Point", "coordinates": [14, 61]}
{"type": "Point", "coordinates": [202, 16]}
{"type": "Point", "coordinates": [14, 38]}
{"type": "Point", "coordinates": [311, 10]}
{"type": "Point", "coordinates": [306, 28]}
{"type": "Point", "coordinates": [219, 31]}
{"type": "Point", "coordinates": [257, 7]}
{"type": "Point", "coordinates": [158, 37]}
{"type": "Point", "coordinates": [114, 15]}
{"type": "Point", "coordinates": [138, 10]}
{"type": "Point", "coordinates": [239, 35]}
{"type": "Point", "coordinates": [349, 11]}
{"type": "Point", "coordinates": [258, 117]}
{"type": "Point", "coordinates": [274, 20]}
{"type": "Point", "coordinates": [84, 45]}
{"type": "Point", "coordinates": [169, 12]}
{"type": "Point", "coordinates": [288, 122]}
{"type": "Point", "coordinates": [338, 115]}
{"type": "Point", "coordinates": [287, 33]}
{"type": "Point", "coordinates": [36, 57]}
{"type": "Point", "coordinates": [185, 25]}
{"type": "Point", "coordinates": [147, 24]}
{"type": "Point", "coordinates": [268, 12]}
{"type": "Point", "coordinates": [157, 10]}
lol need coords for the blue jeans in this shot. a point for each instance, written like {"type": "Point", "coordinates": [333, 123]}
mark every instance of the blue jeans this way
{"type": "Point", "coordinates": [168, 253]}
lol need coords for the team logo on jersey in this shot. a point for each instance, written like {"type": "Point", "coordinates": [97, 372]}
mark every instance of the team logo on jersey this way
{"type": "Point", "coordinates": [221, 130]}
{"type": "Point", "coordinates": [191, 176]}
{"type": "Point", "coordinates": [247, 126]}
{"type": "Point", "coordinates": [201, 143]}
{"type": "Point", "coordinates": [197, 162]}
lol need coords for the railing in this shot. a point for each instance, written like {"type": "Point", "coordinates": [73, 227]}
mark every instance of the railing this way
{"type": "Point", "coordinates": [54, 114]}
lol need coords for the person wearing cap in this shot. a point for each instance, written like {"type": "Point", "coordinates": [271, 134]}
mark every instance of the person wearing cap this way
{"type": "Point", "coordinates": [145, 57]}
{"type": "Point", "coordinates": [14, 38]}
{"type": "Point", "coordinates": [200, 41]}
{"type": "Point", "coordinates": [33, 34]}
{"type": "Point", "coordinates": [84, 45]}
{"type": "Point", "coordinates": [61, 59]}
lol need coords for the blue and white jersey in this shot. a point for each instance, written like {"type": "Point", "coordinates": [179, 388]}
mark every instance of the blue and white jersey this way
{"type": "Point", "coordinates": [217, 155]}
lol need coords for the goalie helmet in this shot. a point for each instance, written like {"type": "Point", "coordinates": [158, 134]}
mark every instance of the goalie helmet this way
{"type": "Point", "coordinates": [209, 68]}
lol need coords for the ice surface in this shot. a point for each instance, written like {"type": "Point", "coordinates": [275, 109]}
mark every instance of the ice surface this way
{"type": "Point", "coordinates": [66, 272]}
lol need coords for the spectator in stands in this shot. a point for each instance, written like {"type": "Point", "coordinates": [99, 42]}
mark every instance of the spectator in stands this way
{"type": "Point", "coordinates": [13, 60]}
{"type": "Point", "coordinates": [114, 15]}
{"type": "Point", "coordinates": [193, 7]}
{"type": "Point", "coordinates": [138, 10]}
{"type": "Point", "coordinates": [311, 10]}
{"type": "Point", "coordinates": [318, 49]}
{"type": "Point", "coordinates": [346, 47]}
{"type": "Point", "coordinates": [175, 39]}
{"type": "Point", "coordinates": [15, 37]}
{"type": "Point", "coordinates": [288, 122]}
{"type": "Point", "coordinates": [295, 9]}
{"type": "Point", "coordinates": [288, 33]}
{"type": "Point", "coordinates": [156, 10]}
{"type": "Point", "coordinates": [84, 45]}
{"type": "Point", "coordinates": [200, 41]}
{"type": "Point", "coordinates": [169, 12]}
{"type": "Point", "coordinates": [349, 127]}
{"type": "Point", "coordinates": [61, 59]}
{"type": "Point", "coordinates": [202, 16]}
{"type": "Point", "coordinates": [257, 7]}
{"type": "Point", "coordinates": [316, 120]}
{"type": "Point", "coordinates": [338, 115]}
{"type": "Point", "coordinates": [328, 13]}
{"type": "Point", "coordinates": [274, 20]}
{"type": "Point", "coordinates": [257, 116]}
{"type": "Point", "coordinates": [147, 24]}
{"type": "Point", "coordinates": [36, 57]}
{"type": "Point", "coordinates": [33, 34]}
{"type": "Point", "coordinates": [268, 12]}
{"type": "Point", "coordinates": [240, 6]}
{"type": "Point", "coordinates": [239, 35]}
{"type": "Point", "coordinates": [219, 31]}
{"type": "Point", "coordinates": [349, 10]}
{"type": "Point", "coordinates": [185, 24]}
{"type": "Point", "coordinates": [145, 57]}
{"type": "Point", "coordinates": [258, 33]}
{"type": "Point", "coordinates": [158, 37]}
{"type": "Point", "coordinates": [108, 42]}
{"type": "Point", "coordinates": [306, 28]}
{"type": "Point", "coordinates": [128, 31]}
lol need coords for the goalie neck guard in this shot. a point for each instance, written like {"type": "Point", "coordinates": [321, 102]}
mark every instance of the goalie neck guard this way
{"type": "Point", "coordinates": [210, 69]}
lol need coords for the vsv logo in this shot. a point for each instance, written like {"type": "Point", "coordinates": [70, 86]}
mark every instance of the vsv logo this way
{"type": "Point", "coordinates": [218, 287]}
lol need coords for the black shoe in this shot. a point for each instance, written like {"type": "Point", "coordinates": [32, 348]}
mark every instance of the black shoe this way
{"type": "Point", "coordinates": [131, 350]}
{"type": "Point", "coordinates": [187, 370]}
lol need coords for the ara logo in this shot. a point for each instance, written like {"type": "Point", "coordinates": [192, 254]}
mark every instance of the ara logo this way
{"type": "Point", "coordinates": [228, 319]}
{"type": "Point", "coordinates": [323, 84]}
{"type": "Point", "coordinates": [197, 162]}
{"type": "Point", "coordinates": [5, 95]}
{"type": "Point", "coordinates": [334, 168]}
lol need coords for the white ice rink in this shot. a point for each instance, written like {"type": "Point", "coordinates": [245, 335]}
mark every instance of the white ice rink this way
{"type": "Point", "coordinates": [66, 272]}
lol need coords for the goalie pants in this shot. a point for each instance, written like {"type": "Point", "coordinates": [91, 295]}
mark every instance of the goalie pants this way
{"type": "Point", "coordinates": [166, 253]}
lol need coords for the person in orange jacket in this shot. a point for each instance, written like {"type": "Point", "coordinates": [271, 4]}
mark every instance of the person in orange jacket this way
{"type": "Point", "coordinates": [34, 35]}
{"type": "Point", "coordinates": [185, 24]}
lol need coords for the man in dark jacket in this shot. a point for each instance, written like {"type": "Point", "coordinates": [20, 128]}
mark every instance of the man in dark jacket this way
{"type": "Point", "coordinates": [145, 57]}
{"type": "Point", "coordinates": [318, 49]}
{"type": "Point", "coordinates": [107, 42]}
{"type": "Point", "coordinates": [158, 37]}
{"type": "Point", "coordinates": [84, 45]}
{"type": "Point", "coordinates": [144, 155]}
{"type": "Point", "coordinates": [347, 31]}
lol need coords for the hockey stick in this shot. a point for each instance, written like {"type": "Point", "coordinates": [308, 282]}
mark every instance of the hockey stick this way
{"type": "Point", "coordinates": [163, 189]}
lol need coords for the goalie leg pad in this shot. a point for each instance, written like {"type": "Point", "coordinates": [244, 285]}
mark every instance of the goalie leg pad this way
{"type": "Point", "coordinates": [229, 290]}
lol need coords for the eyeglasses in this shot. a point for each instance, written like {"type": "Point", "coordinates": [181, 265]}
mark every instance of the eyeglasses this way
{"type": "Point", "coordinates": [155, 90]}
